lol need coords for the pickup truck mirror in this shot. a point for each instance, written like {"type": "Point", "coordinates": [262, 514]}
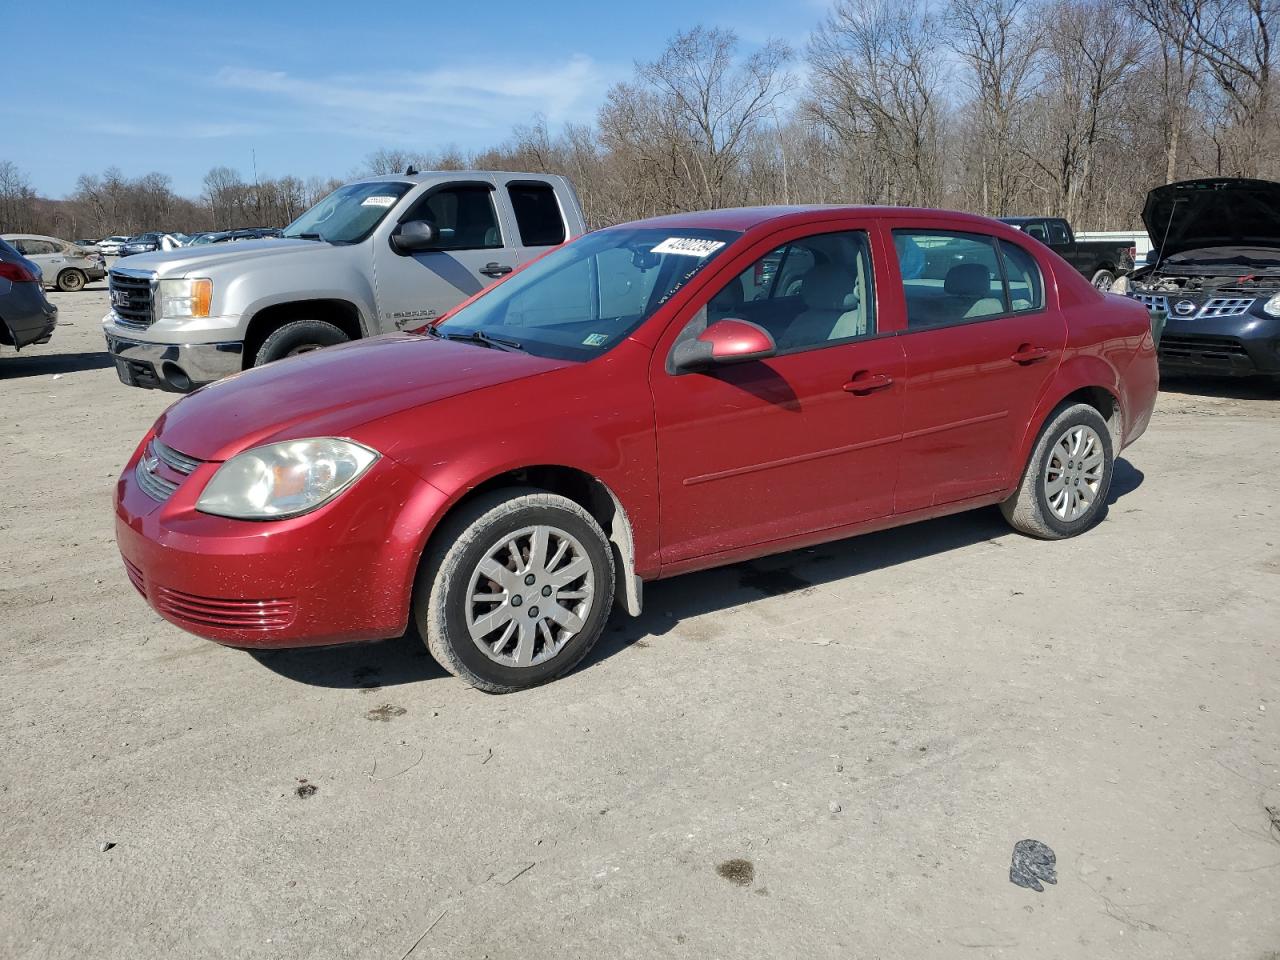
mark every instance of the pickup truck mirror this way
{"type": "Point", "coordinates": [414, 236]}
{"type": "Point", "coordinates": [724, 342]}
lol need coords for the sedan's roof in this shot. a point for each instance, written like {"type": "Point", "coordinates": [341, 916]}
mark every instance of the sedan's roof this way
{"type": "Point", "coordinates": [747, 218]}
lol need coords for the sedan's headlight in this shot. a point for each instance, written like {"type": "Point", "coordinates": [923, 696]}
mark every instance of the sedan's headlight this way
{"type": "Point", "coordinates": [1272, 307]}
{"type": "Point", "coordinates": [184, 299]}
{"type": "Point", "coordinates": [284, 479]}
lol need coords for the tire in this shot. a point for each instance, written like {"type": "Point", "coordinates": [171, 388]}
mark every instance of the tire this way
{"type": "Point", "coordinates": [298, 336]}
{"type": "Point", "coordinates": [1103, 280]}
{"type": "Point", "coordinates": [1042, 508]}
{"type": "Point", "coordinates": [69, 281]}
{"type": "Point", "coordinates": [450, 576]}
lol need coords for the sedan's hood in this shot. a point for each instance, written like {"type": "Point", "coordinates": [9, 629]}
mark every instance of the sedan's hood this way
{"type": "Point", "coordinates": [1219, 212]}
{"type": "Point", "coordinates": [185, 260]}
{"type": "Point", "coordinates": [332, 392]}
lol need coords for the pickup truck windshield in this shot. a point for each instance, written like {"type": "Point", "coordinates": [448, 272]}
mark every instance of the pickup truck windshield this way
{"type": "Point", "coordinates": [349, 214]}
{"type": "Point", "coordinates": [582, 299]}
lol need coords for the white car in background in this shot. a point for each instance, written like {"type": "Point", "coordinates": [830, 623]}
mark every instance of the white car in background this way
{"type": "Point", "coordinates": [111, 245]}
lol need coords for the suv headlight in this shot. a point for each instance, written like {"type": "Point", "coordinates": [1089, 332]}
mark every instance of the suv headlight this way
{"type": "Point", "coordinates": [184, 299]}
{"type": "Point", "coordinates": [285, 479]}
{"type": "Point", "coordinates": [1272, 307]}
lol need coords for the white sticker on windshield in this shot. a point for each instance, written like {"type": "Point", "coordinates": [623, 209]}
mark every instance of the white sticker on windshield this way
{"type": "Point", "coordinates": [688, 246]}
{"type": "Point", "coordinates": [377, 201]}
{"type": "Point", "coordinates": [596, 340]}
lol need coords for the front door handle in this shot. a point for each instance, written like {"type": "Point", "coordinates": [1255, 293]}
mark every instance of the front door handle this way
{"type": "Point", "coordinates": [495, 269]}
{"type": "Point", "coordinates": [1029, 354]}
{"type": "Point", "coordinates": [864, 382]}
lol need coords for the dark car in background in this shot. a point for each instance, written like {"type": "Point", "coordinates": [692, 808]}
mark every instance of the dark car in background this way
{"type": "Point", "coordinates": [1215, 271]}
{"type": "Point", "coordinates": [151, 242]}
{"type": "Point", "coordinates": [1100, 261]}
{"type": "Point", "coordinates": [26, 315]}
{"type": "Point", "coordinates": [230, 236]}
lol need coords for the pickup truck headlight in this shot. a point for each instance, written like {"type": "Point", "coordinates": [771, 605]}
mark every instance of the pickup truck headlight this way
{"type": "Point", "coordinates": [1272, 307]}
{"type": "Point", "coordinates": [185, 299]}
{"type": "Point", "coordinates": [285, 479]}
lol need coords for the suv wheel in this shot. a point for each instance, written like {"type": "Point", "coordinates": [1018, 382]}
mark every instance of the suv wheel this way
{"type": "Point", "coordinates": [1064, 487]}
{"type": "Point", "coordinates": [299, 336]}
{"type": "Point", "coordinates": [515, 590]}
{"type": "Point", "coordinates": [69, 281]}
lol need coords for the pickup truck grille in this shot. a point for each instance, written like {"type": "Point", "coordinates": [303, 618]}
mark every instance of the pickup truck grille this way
{"type": "Point", "coordinates": [131, 300]}
{"type": "Point", "coordinates": [162, 469]}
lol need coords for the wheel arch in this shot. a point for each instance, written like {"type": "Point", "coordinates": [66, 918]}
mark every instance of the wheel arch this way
{"type": "Point", "coordinates": [1080, 380]}
{"type": "Point", "coordinates": [343, 314]}
{"type": "Point", "coordinates": [584, 489]}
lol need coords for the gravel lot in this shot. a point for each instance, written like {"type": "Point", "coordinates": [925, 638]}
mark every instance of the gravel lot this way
{"type": "Point", "coordinates": [868, 727]}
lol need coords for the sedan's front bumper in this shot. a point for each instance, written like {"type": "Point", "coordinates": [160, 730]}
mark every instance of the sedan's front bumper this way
{"type": "Point", "coordinates": [340, 574]}
{"type": "Point", "coordinates": [176, 367]}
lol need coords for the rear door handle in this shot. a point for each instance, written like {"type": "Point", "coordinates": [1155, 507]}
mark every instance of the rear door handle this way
{"type": "Point", "coordinates": [1029, 354]}
{"type": "Point", "coordinates": [863, 383]}
{"type": "Point", "coordinates": [495, 269]}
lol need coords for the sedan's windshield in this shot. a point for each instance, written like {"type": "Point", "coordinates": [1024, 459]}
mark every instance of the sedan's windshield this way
{"type": "Point", "coordinates": [349, 214]}
{"type": "Point", "coordinates": [579, 301]}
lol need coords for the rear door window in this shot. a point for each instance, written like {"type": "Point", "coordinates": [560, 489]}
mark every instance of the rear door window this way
{"type": "Point", "coordinates": [949, 278]}
{"type": "Point", "coordinates": [1058, 232]}
{"type": "Point", "coordinates": [538, 216]}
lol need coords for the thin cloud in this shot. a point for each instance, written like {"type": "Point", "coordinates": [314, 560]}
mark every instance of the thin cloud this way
{"type": "Point", "coordinates": [439, 103]}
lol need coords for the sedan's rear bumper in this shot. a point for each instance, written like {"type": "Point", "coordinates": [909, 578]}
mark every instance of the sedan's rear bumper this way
{"type": "Point", "coordinates": [27, 313]}
{"type": "Point", "coordinates": [340, 574]}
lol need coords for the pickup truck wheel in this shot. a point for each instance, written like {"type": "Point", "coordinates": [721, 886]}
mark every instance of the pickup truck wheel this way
{"type": "Point", "coordinates": [69, 281]}
{"type": "Point", "coordinates": [299, 336]}
{"type": "Point", "coordinates": [1103, 280]}
{"type": "Point", "coordinates": [515, 590]}
{"type": "Point", "coordinates": [1064, 487]}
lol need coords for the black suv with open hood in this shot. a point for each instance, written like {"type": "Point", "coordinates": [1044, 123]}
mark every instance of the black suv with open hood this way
{"type": "Point", "coordinates": [1215, 270]}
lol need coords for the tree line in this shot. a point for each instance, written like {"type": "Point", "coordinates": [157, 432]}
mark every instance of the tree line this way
{"type": "Point", "coordinates": [1071, 108]}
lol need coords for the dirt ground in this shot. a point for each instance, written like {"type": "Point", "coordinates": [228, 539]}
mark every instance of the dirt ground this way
{"type": "Point", "coordinates": [825, 754]}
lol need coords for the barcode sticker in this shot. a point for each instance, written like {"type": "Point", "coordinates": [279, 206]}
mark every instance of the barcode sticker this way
{"type": "Point", "coordinates": [688, 246]}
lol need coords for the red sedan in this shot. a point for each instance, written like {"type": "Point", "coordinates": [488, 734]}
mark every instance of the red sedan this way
{"type": "Point", "coordinates": [648, 400]}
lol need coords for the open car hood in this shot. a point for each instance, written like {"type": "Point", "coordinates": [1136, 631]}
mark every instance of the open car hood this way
{"type": "Point", "coordinates": [1217, 212]}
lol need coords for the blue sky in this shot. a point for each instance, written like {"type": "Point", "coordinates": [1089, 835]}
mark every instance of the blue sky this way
{"type": "Point", "coordinates": [314, 87]}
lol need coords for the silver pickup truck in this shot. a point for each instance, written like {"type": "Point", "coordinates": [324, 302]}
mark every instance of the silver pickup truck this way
{"type": "Point", "coordinates": [375, 256]}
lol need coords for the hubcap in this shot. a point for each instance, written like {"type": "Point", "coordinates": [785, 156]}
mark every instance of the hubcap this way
{"type": "Point", "coordinates": [529, 596]}
{"type": "Point", "coordinates": [1074, 472]}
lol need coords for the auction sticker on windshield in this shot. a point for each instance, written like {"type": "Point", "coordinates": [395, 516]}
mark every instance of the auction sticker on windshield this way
{"type": "Point", "coordinates": [688, 246]}
{"type": "Point", "coordinates": [377, 201]}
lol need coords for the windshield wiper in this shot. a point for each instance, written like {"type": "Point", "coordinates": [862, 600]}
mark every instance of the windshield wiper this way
{"type": "Point", "coordinates": [488, 340]}
{"type": "Point", "coordinates": [303, 236]}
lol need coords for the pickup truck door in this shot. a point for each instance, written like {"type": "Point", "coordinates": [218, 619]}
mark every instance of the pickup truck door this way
{"type": "Point", "coordinates": [475, 250]}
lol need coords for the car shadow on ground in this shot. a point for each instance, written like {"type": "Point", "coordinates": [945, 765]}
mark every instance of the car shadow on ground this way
{"type": "Point", "coordinates": [1233, 388]}
{"type": "Point", "coordinates": [405, 659]}
{"type": "Point", "coordinates": [15, 367]}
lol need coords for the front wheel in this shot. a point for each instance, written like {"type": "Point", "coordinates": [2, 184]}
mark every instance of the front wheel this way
{"type": "Point", "coordinates": [69, 281]}
{"type": "Point", "coordinates": [1064, 487]}
{"type": "Point", "coordinates": [298, 336]}
{"type": "Point", "coordinates": [515, 589]}
{"type": "Point", "coordinates": [1103, 280]}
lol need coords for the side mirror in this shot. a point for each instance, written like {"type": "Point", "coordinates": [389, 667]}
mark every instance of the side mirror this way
{"type": "Point", "coordinates": [414, 236]}
{"type": "Point", "coordinates": [724, 342]}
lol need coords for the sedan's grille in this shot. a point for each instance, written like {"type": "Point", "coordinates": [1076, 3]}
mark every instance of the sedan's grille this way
{"type": "Point", "coordinates": [161, 469]}
{"type": "Point", "coordinates": [227, 614]}
{"type": "Point", "coordinates": [135, 576]}
{"type": "Point", "coordinates": [131, 300]}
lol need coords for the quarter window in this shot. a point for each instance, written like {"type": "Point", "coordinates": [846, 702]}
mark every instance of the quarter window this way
{"type": "Point", "coordinates": [1058, 232]}
{"type": "Point", "coordinates": [809, 293]}
{"type": "Point", "coordinates": [949, 277]}
{"type": "Point", "coordinates": [537, 213]}
{"type": "Point", "coordinates": [1026, 288]}
{"type": "Point", "coordinates": [464, 215]}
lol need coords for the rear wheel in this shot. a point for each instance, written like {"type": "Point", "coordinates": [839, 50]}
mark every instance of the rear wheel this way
{"type": "Point", "coordinates": [516, 589]}
{"type": "Point", "coordinates": [1103, 280]}
{"type": "Point", "coordinates": [69, 281]}
{"type": "Point", "coordinates": [1064, 487]}
{"type": "Point", "coordinates": [299, 336]}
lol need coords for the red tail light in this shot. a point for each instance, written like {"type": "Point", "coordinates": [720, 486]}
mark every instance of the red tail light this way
{"type": "Point", "coordinates": [16, 272]}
